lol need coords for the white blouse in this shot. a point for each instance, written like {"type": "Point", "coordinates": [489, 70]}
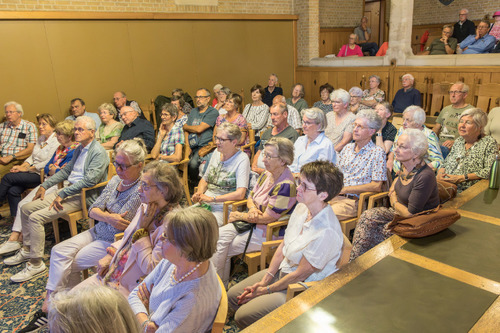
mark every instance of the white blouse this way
{"type": "Point", "coordinates": [43, 151]}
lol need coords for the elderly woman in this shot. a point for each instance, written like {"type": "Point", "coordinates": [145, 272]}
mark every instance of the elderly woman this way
{"type": "Point", "coordinates": [297, 100]}
{"type": "Point", "coordinates": [182, 293]}
{"type": "Point", "coordinates": [493, 126]}
{"type": "Point", "coordinates": [351, 49]}
{"type": "Point", "coordinates": [91, 310]}
{"type": "Point", "coordinates": [180, 104]}
{"type": "Point", "coordinates": [109, 131]}
{"type": "Point", "coordinates": [257, 112]}
{"type": "Point", "coordinates": [272, 198]}
{"type": "Point", "coordinates": [313, 145]}
{"type": "Point", "coordinates": [472, 154]}
{"type": "Point", "coordinates": [64, 153]}
{"type": "Point", "coordinates": [355, 104]}
{"type": "Point", "coordinates": [27, 175]}
{"type": "Point", "coordinates": [373, 95]}
{"type": "Point", "coordinates": [385, 136]}
{"type": "Point", "coordinates": [325, 104]}
{"type": "Point", "coordinates": [232, 105]}
{"type": "Point", "coordinates": [222, 96]}
{"type": "Point", "coordinates": [227, 174]}
{"type": "Point", "coordinates": [495, 28]}
{"type": "Point", "coordinates": [413, 191]}
{"type": "Point", "coordinates": [138, 252]}
{"type": "Point", "coordinates": [309, 252]}
{"type": "Point", "coordinates": [341, 120]}
{"type": "Point", "coordinates": [414, 117]}
{"type": "Point", "coordinates": [168, 146]}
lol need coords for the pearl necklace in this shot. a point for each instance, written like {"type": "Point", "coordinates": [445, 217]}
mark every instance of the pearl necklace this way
{"type": "Point", "coordinates": [173, 281]}
{"type": "Point", "coordinates": [133, 183]}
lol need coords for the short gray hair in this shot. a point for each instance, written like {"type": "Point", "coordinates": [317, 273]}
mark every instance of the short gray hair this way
{"type": "Point", "coordinates": [376, 77]}
{"type": "Point", "coordinates": [108, 107]}
{"type": "Point", "coordinates": [342, 95]}
{"type": "Point", "coordinates": [465, 88]}
{"type": "Point", "coordinates": [135, 150]}
{"type": "Point", "coordinates": [318, 116]}
{"type": "Point", "coordinates": [89, 122]}
{"type": "Point", "coordinates": [416, 113]}
{"type": "Point", "coordinates": [408, 76]}
{"type": "Point", "coordinates": [167, 180]}
{"type": "Point", "coordinates": [170, 109]}
{"type": "Point", "coordinates": [19, 107]}
{"type": "Point", "coordinates": [284, 147]}
{"type": "Point", "coordinates": [478, 116]}
{"type": "Point", "coordinates": [233, 131]}
{"type": "Point", "coordinates": [373, 119]}
{"type": "Point", "coordinates": [418, 141]}
{"type": "Point", "coordinates": [356, 91]}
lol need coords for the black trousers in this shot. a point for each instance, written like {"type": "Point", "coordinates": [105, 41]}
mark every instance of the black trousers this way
{"type": "Point", "coordinates": [14, 184]}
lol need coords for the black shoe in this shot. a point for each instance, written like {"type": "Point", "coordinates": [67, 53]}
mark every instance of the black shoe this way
{"type": "Point", "coordinates": [38, 322]}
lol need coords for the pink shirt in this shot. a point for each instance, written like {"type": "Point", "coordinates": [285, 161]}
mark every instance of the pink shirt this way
{"type": "Point", "coordinates": [346, 51]}
{"type": "Point", "coordinates": [495, 31]}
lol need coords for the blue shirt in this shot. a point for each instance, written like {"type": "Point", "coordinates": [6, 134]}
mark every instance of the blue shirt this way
{"type": "Point", "coordinates": [483, 45]}
{"type": "Point", "coordinates": [320, 149]}
{"type": "Point", "coordinates": [404, 99]}
{"type": "Point", "coordinates": [94, 116]}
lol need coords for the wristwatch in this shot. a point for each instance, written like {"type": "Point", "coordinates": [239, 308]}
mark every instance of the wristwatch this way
{"type": "Point", "coordinates": [379, 134]}
{"type": "Point", "coordinates": [13, 157]}
{"type": "Point", "coordinates": [466, 176]}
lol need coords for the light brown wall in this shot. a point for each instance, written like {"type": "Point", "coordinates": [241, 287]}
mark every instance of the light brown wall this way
{"type": "Point", "coordinates": [340, 13]}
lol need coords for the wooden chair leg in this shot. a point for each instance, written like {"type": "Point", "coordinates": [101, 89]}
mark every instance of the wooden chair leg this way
{"type": "Point", "coordinates": [72, 226]}
{"type": "Point", "coordinates": [55, 227]}
{"type": "Point", "coordinates": [253, 261]}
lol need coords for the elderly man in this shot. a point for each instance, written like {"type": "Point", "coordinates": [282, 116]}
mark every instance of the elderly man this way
{"type": "Point", "coordinates": [480, 42]}
{"type": "Point", "coordinates": [120, 100]}
{"type": "Point", "coordinates": [463, 27]}
{"type": "Point", "coordinates": [87, 168]}
{"type": "Point", "coordinates": [362, 163]}
{"type": "Point", "coordinates": [200, 126]}
{"type": "Point", "coordinates": [17, 137]}
{"type": "Point", "coordinates": [407, 95]}
{"type": "Point", "coordinates": [279, 116]}
{"type": "Point", "coordinates": [271, 90]}
{"type": "Point", "coordinates": [364, 34]}
{"type": "Point", "coordinates": [136, 127]}
{"type": "Point", "coordinates": [294, 118]}
{"type": "Point", "coordinates": [446, 127]}
{"type": "Point", "coordinates": [78, 109]}
{"type": "Point", "coordinates": [444, 45]}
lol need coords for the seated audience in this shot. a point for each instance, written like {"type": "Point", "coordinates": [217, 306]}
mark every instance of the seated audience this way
{"type": "Point", "coordinates": [182, 115]}
{"type": "Point", "coordinates": [472, 154]}
{"type": "Point", "coordinates": [356, 95]}
{"type": "Point", "coordinates": [279, 115]}
{"type": "Point", "coordinates": [87, 168]}
{"type": "Point", "coordinates": [351, 49]}
{"type": "Point", "coordinates": [443, 45]}
{"type": "Point", "coordinates": [363, 165]}
{"type": "Point", "coordinates": [373, 95]}
{"type": "Point", "coordinates": [271, 90]}
{"type": "Point", "coordinates": [170, 139]}
{"type": "Point", "coordinates": [222, 96]}
{"type": "Point", "coordinates": [363, 34]}
{"type": "Point", "coordinates": [297, 100]}
{"type": "Point", "coordinates": [216, 90]}
{"type": "Point", "coordinates": [446, 126]}
{"type": "Point", "coordinates": [92, 310]}
{"type": "Point", "coordinates": [78, 109]}
{"type": "Point", "coordinates": [227, 174]}
{"type": "Point", "coordinates": [257, 112]}
{"type": "Point", "coordinates": [314, 144]}
{"type": "Point", "coordinates": [110, 130]}
{"type": "Point", "coordinates": [385, 136]}
{"type": "Point", "coordinates": [63, 154]}
{"type": "Point", "coordinates": [294, 117]}
{"type": "Point", "coordinates": [495, 28]}
{"type": "Point", "coordinates": [272, 198]}
{"type": "Point", "coordinates": [136, 127]}
{"type": "Point", "coordinates": [310, 250]}
{"type": "Point", "coordinates": [27, 175]}
{"type": "Point", "coordinates": [325, 104]}
{"type": "Point", "coordinates": [340, 121]}
{"type": "Point", "coordinates": [464, 27]}
{"type": "Point", "coordinates": [493, 126]}
{"type": "Point", "coordinates": [120, 100]}
{"type": "Point", "coordinates": [407, 95]}
{"type": "Point", "coordinates": [414, 117]}
{"type": "Point", "coordinates": [413, 191]}
{"type": "Point", "coordinates": [161, 302]}
{"type": "Point", "coordinates": [179, 93]}
{"type": "Point", "coordinates": [232, 105]}
{"type": "Point", "coordinates": [17, 137]}
{"type": "Point", "coordinates": [480, 42]}
{"type": "Point", "coordinates": [182, 100]}
{"type": "Point", "coordinates": [383, 49]}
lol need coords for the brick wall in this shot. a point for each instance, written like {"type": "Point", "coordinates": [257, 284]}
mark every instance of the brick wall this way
{"type": "Point", "coordinates": [308, 30]}
{"type": "Point", "coordinates": [339, 13]}
{"type": "Point", "coordinates": [433, 11]}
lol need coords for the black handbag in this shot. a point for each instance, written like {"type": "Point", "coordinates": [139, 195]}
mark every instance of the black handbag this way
{"type": "Point", "coordinates": [242, 226]}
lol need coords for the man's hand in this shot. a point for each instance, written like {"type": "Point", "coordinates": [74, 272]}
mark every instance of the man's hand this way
{"type": "Point", "coordinates": [6, 159]}
{"type": "Point", "coordinates": [40, 194]}
{"type": "Point", "coordinates": [56, 204]}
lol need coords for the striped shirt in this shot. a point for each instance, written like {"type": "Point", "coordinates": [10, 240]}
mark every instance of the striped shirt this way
{"type": "Point", "coordinates": [14, 139]}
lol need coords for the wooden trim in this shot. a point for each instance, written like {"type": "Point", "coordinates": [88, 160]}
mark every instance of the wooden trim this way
{"type": "Point", "coordinates": [479, 217]}
{"type": "Point", "coordinates": [295, 52]}
{"type": "Point", "coordinates": [490, 320]}
{"type": "Point", "coordinates": [75, 15]}
{"type": "Point", "coordinates": [340, 29]}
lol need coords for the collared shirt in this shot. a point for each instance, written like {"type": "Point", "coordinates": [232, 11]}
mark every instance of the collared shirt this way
{"type": "Point", "coordinates": [362, 167]}
{"type": "Point", "coordinates": [77, 172]}
{"type": "Point", "coordinates": [182, 120]}
{"type": "Point", "coordinates": [268, 96]}
{"type": "Point", "coordinates": [14, 139]}
{"type": "Point", "coordinates": [319, 149]}
{"type": "Point", "coordinates": [482, 45]}
{"type": "Point", "coordinates": [43, 151]}
{"type": "Point", "coordinates": [293, 119]}
{"type": "Point", "coordinates": [94, 116]}
{"type": "Point", "coordinates": [139, 128]}
{"type": "Point", "coordinates": [173, 138]}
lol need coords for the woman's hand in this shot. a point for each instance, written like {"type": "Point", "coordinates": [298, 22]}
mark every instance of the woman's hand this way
{"type": "Point", "coordinates": [52, 169]}
{"type": "Point", "coordinates": [151, 327]}
{"type": "Point", "coordinates": [144, 293]}
{"type": "Point", "coordinates": [196, 197]}
{"type": "Point", "coordinates": [103, 265]}
{"type": "Point", "coordinates": [251, 292]}
{"type": "Point", "coordinates": [205, 198]}
{"type": "Point", "coordinates": [146, 216]}
{"type": "Point", "coordinates": [254, 214]}
{"type": "Point", "coordinates": [118, 221]}
{"type": "Point", "coordinates": [455, 179]}
{"type": "Point", "coordinates": [19, 168]}
{"type": "Point", "coordinates": [163, 130]}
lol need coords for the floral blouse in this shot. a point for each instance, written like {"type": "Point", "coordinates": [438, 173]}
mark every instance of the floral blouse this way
{"type": "Point", "coordinates": [379, 96]}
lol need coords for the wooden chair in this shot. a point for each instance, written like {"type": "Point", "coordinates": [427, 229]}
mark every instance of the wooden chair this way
{"type": "Point", "coordinates": [221, 316]}
{"type": "Point", "coordinates": [251, 143]}
{"type": "Point", "coordinates": [439, 97]}
{"type": "Point", "coordinates": [487, 96]}
{"type": "Point", "coordinates": [183, 167]}
{"type": "Point", "coordinates": [397, 121]}
{"type": "Point", "coordinates": [350, 224]}
{"type": "Point", "coordinates": [149, 112]}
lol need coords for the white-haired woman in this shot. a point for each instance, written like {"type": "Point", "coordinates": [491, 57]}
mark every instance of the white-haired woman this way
{"type": "Point", "coordinates": [355, 104]}
{"type": "Point", "coordinates": [472, 154]}
{"type": "Point", "coordinates": [341, 120]}
{"type": "Point", "coordinates": [297, 100]}
{"type": "Point", "coordinates": [374, 94]}
{"type": "Point", "coordinates": [414, 117]}
{"type": "Point", "coordinates": [313, 145]}
{"type": "Point", "coordinates": [110, 129]}
{"type": "Point", "coordinates": [413, 191]}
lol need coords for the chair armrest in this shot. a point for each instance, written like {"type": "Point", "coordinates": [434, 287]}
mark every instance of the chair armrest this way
{"type": "Point", "coordinates": [239, 204]}
{"type": "Point", "coordinates": [295, 288]}
{"type": "Point", "coordinates": [363, 199]}
{"type": "Point", "coordinates": [225, 211]}
{"type": "Point", "coordinates": [266, 251]}
{"type": "Point", "coordinates": [373, 198]}
{"type": "Point", "coordinates": [119, 236]}
{"type": "Point", "coordinates": [84, 197]}
{"type": "Point", "coordinates": [273, 226]}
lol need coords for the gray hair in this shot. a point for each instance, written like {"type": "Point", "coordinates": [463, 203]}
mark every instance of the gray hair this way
{"type": "Point", "coordinates": [372, 118]}
{"type": "Point", "coordinates": [108, 107]}
{"type": "Point", "coordinates": [167, 180]}
{"type": "Point", "coordinates": [301, 89]}
{"type": "Point", "coordinates": [284, 147]}
{"type": "Point", "coordinates": [342, 95]}
{"type": "Point", "coordinates": [233, 131]}
{"type": "Point", "coordinates": [93, 309]}
{"type": "Point", "coordinates": [19, 107]}
{"type": "Point", "coordinates": [276, 76]}
{"type": "Point", "coordinates": [225, 90]}
{"type": "Point", "coordinates": [218, 87]}
{"type": "Point", "coordinates": [356, 91]}
{"type": "Point", "coordinates": [416, 113]}
{"type": "Point", "coordinates": [135, 150]}
{"type": "Point", "coordinates": [465, 10]}
{"type": "Point", "coordinates": [408, 76]}
{"type": "Point", "coordinates": [478, 116]}
{"type": "Point", "coordinates": [376, 77]}
{"type": "Point", "coordinates": [170, 109]}
{"type": "Point", "coordinates": [418, 141]}
{"type": "Point", "coordinates": [318, 116]}
{"type": "Point", "coordinates": [89, 122]}
{"type": "Point", "coordinates": [465, 87]}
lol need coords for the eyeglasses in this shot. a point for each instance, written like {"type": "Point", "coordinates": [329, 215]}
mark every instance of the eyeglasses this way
{"type": "Point", "coordinates": [145, 186]}
{"type": "Point", "coordinates": [308, 123]}
{"type": "Point", "coordinates": [300, 183]}
{"type": "Point", "coordinates": [454, 92]}
{"type": "Point", "coordinates": [221, 139]}
{"type": "Point", "coordinates": [122, 166]}
{"type": "Point", "coordinates": [357, 126]}
{"type": "Point", "coordinates": [337, 102]}
{"type": "Point", "coordinates": [164, 237]}
{"type": "Point", "coordinates": [80, 129]}
{"type": "Point", "coordinates": [200, 97]}
{"type": "Point", "coordinates": [265, 155]}
{"type": "Point", "coordinates": [10, 112]}
{"type": "Point", "coordinates": [355, 96]}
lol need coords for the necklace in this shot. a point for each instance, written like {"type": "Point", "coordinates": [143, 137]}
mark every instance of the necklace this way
{"type": "Point", "coordinates": [173, 281]}
{"type": "Point", "coordinates": [128, 185]}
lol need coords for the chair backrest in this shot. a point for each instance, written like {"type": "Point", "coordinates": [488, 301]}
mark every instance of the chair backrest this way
{"type": "Point", "coordinates": [440, 96]}
{"type": "Point", "coordinates": [397, 121]}
{"type": "Point", "coordinates": [220, 317]}
{"type": "Point", "coordinates": [345, 254]}
{"type": "Point", "coordinates": [486, 96]}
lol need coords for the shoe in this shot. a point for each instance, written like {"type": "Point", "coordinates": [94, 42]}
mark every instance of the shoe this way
{"type": "Point", "coordinates": [38, 321]}
{"type": "Point", "coordinates": [9, 246]}
{"type": "Point", "coordinates": [29, 272]}
{"type": "Point", "coordinates": [21, 256]}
